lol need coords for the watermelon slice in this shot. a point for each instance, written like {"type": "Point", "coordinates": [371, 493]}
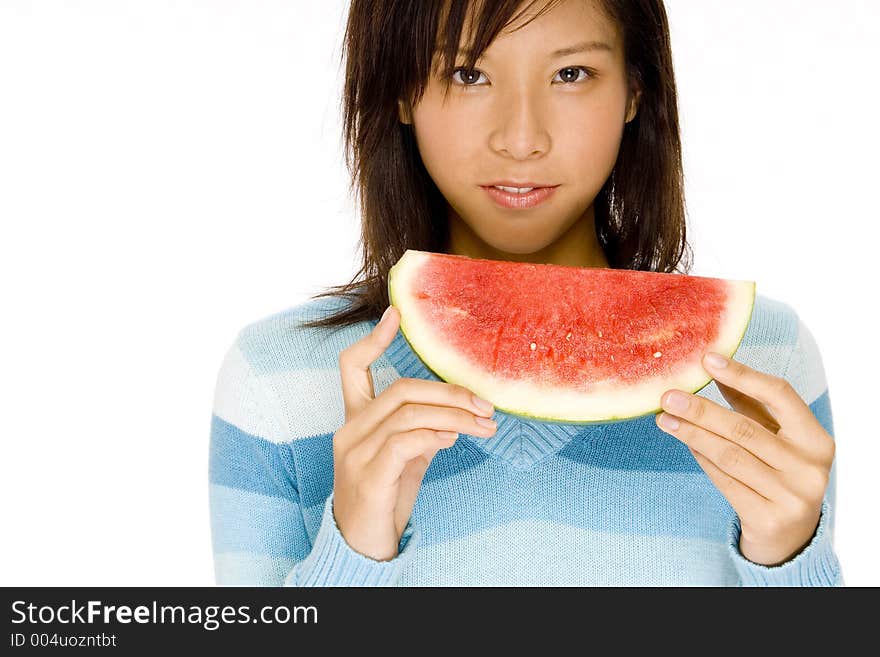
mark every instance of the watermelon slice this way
{"type": "Point", "coordinates": [561, 343]}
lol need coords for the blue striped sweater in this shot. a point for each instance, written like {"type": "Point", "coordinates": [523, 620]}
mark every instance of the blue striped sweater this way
{"type": "Point", "coordinates": [537, 504]}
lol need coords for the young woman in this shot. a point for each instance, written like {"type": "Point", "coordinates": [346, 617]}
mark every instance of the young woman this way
{"type": "Point", "coordinates": [338, 458]}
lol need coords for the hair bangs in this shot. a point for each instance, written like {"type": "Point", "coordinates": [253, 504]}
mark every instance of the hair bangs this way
{"type": "Point", "coordinates": [487, 20]}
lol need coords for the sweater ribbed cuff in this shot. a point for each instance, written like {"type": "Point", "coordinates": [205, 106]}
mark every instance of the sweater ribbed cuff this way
{"type": "Point", "coordinates": [333, 562]}
{"type": "Point", "coordinates": [815, 565]}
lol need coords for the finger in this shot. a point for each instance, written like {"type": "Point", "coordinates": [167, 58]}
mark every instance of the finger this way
{"type": "Point", "coordinates": [733, 426]}
{"type": "Point", "coordinates": [419, 416]}
{"type": "Point", "coordinates": [387, 466]}
{"type": "Point", "coordinates": [747, 502]}
{"type": "Point", "coordinates": [733, 459]}
{"type": "Point", "coordinates": [355, 361]}
{"type": "Point", "coordinates": [776, 393]}
{"type": "Point", "coordinates": [417, 391]}
{"type": "Point", "coordinates": [749, 407]}
{"type": "Point", "coordinates": [411, 482]}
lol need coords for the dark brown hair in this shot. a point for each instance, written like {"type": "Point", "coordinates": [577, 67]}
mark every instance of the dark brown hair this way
{"type": "Point", "coordinates": [389, 48]}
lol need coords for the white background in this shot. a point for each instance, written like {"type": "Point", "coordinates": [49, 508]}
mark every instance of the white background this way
{"type": "Point", "coordinates": [170, 171]}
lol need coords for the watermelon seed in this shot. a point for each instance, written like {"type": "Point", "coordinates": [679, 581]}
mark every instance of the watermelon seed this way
{"type": "Point", "coordinates": [568, 337]}
{"type": "Point", "coordinates": [534, 346]}
{"type": "Point", "coordinates": [612, 358]}
{"type": "Point", "coordinates": [600, 334]}
{"type": "Point", "coordinates": [657, 354]}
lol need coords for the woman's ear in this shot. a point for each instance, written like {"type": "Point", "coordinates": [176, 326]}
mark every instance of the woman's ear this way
{"type": "Point", "coordinates": [633, 105]}
{"type": "Point", "coordinates": [403, 113]}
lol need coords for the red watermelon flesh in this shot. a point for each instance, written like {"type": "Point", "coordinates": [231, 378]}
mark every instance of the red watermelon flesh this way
{"type": "Point", "coordinates": [561, 343]}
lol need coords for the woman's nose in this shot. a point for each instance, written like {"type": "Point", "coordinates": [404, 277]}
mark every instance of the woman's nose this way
{"type": "Point", "coordinates": [520, 129]}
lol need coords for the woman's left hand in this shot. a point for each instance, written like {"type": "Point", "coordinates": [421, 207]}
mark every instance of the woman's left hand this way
{"type": "Point", "coordinates": [771, 460]}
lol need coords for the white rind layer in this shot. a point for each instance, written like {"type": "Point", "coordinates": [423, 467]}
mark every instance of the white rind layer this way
{"type": "Point", "coordinates": [614, 401]}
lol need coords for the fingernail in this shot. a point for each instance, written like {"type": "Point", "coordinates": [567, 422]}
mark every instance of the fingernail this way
{"type": "Point", "coordinates": [482, 404]}
{"type": "Point", "coordinates": [385, 314]}
{"type": "Point", "coordinates": [676, 401]}
{"type": "Point", "coordinates": [668, 421]}
{"type": "Point", "coordinates": [486, 422]}
{"type": "Point", "coordinates": [716, 360]}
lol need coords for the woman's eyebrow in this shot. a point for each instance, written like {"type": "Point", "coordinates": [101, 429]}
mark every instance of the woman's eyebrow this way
{"type": "Point", "coordinates": [583, 46]}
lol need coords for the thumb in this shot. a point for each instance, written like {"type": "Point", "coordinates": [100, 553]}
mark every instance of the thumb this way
{"type": "Point", "coordinates": [355, 361]}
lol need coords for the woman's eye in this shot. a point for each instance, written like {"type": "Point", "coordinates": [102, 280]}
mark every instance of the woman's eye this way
{"type": "Point", "coordinates": [570, 74]}
{"type": "Point", "coordinates": [471, 74]}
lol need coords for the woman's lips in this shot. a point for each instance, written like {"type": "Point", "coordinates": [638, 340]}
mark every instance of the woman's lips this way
{"type": "Point", "coordinates": [520, 201]}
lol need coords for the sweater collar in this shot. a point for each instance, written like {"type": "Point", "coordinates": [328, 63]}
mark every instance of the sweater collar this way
{"type": "Point", "coordinates": [520, 441]}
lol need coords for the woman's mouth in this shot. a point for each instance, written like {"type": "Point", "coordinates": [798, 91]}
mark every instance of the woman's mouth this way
{"type": "Point", "coordinates": [519, 198]}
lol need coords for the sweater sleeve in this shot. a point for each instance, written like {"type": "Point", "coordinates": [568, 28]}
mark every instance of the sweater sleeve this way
{"type": "Point", "coordinates": [258, 532]}
{"type": "Point", "coordinates": [817, 564]}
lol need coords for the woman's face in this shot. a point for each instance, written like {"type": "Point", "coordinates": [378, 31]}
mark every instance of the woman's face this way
{"type": "Point", "coordinates": [525, 114]}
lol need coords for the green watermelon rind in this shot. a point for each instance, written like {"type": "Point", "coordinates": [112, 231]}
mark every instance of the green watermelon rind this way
{"type": "Point", "coordinates": [610, 420]}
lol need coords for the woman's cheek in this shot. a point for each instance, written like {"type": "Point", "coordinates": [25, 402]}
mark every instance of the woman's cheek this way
{"type": "Point", "coordinates": [599, 143]}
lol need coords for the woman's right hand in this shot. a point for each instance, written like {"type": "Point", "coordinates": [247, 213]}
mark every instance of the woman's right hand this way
{"type": "Point", "coordinates": [381, 453]}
